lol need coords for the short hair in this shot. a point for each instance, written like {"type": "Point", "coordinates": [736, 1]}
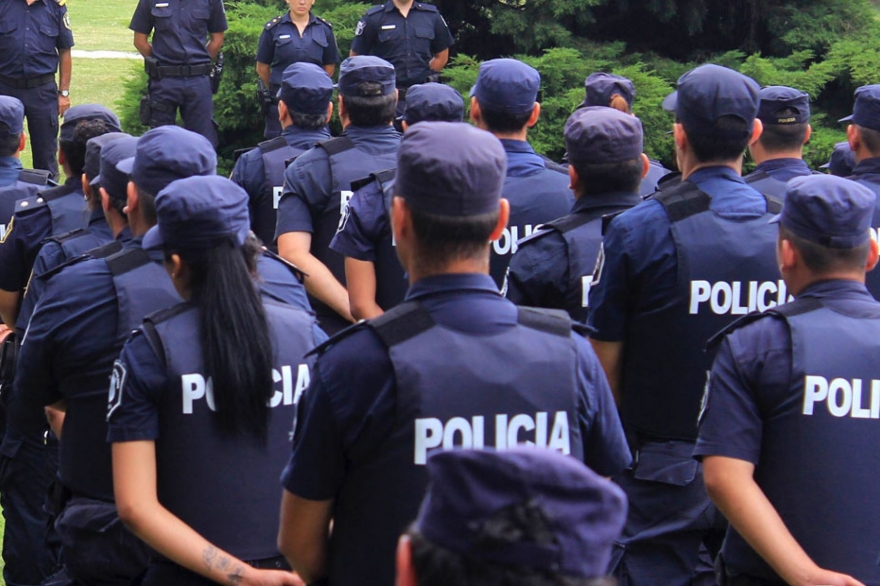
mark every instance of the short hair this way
{"type": "Point", "coordinates": [308, 121]}
{"type": "Point", "coordinates": [499, 122]}
{"type": "Point", "coordinates": [714, 147]}
{"type": "Point", "coordinates": [9, 144]}
{"type": "Point", "coordinates": [599, 178]}
{"type": "Point", "coordinates": [870, 139]}
{"type": "Point", "coordinates": [117, 204]}
{"type": "Point", "coordinates": [522, 522]}
{"type": "Point", "coordinates": [823, 260]}
{"type": "Point", "coordinates": [618, 102]}
{"type": "Point", "coordinates": [75, 150]}
{"type": "Point", "coordinates": [147, 202]}
{"type": "Point", "coordinates": [374, 109]}
{"type": "Point", "coordinates": [784, 137]}
{"type": "Point", "coordinates": [443, 239]}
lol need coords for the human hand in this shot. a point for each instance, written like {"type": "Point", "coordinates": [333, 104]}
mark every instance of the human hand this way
{"type": "Point", "coordinates": [254, 577]}
{"type": "Point", "coordinates": [821, 577]}
{"type": "Point", "coordinates": [4, 331]}
{"type": "Point", "coordinates": [63, 104]}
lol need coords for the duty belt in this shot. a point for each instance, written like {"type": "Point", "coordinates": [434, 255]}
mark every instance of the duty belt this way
{"type": "Point", "coordinates": [184, 70]}
{"type": "Point", "coordinates": [21, 83]}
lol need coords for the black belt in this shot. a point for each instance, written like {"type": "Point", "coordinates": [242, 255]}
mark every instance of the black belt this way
{"type": "Point", "coordinates": [22, 84]}
{"type": "Point", "coordinates": [184, 70]}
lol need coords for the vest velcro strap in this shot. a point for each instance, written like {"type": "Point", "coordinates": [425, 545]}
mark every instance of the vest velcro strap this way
{"type": "Point", "coordinates": [683, 201]}
{"type": "Point", "coordinates": [386, 175]}
{"type": "Point", "coordinates": [551, 321]}
{"type": "Point", "coordinates": [62, 238]}
{"type": "Point", "coordinates": [774, 206]}
{"type": "Point", "coordinates": [401, 323]}
{"type": "Point", "coordinates": [337, 145]}
{"type": "Point", "coordinates": [267, 146]}
{"type": "Point", "coordinates": [128, 260]}
{"type": "Point", "coordinates": [797, 307]}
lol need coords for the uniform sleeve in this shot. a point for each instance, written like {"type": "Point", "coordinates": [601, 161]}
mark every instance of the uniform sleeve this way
{"type": "Point", "coordinates": [35, 382]}
{"type": "Point", "coordinates": [138, 379]}
{"type": "Point", "coordinates": [331, 52]}
{"type": "Point", "coordinates": [304, 195]}
{"type": "Point", "coordinates": [18, 250]}
{"type": "Point", "coordinates": [65, 34]}
{"type": "Point", "coordinates": [442, 37]}
{"type": "Point", "coordinates": [266, 47]}
{"type": "Point", "coordinates": [364, 36]}
{"type": "Point", "coordinates": [357, 236]}
{"type": "Point", "coordinates": [537, 273]}
{"type": "Point", "coordinates": [610, 290]}
{"type": "Point", "coordinates": [142, 19]}
{"type": "Point", "coordinates": [217, 21]}
{"type": "Point", "coordinates": [248, 174]}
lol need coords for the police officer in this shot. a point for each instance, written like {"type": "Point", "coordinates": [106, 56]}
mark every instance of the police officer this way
{"type": "Point", "coordinates": [676, 269]}
{"type": "Point", "coordinates": [455, 365]}
{"type": "Point", "coordinates": [841, 161]}
{"type": "Point", "coordinates": [524, 516]}
{"type": "Point", "coordinates": [297, 36]}
{"type": "Point", "coordinates": [618, 92]}
{"type": "Point", "coordinates": [779, 151]}
{"type": "Point", "coordinates": [305, 109]}
{"type": "Point", "coordinates": [219, 376]}
{"type": "Point", "coordinates": [411, 35]}
{"type": "Point", "coordinates": [178, 60]}
{"type": "Point", "coordinates": [374, 278]}
{"type": "Point", "coordinates": [553, 267]}
{"type": "Point", "coordinates": [503, 101]}
{"type": "Point", "coordinates": [317, 185]}
{"type": "Point", "coordinates": [788, 407]}
{"type": "Point", "coordinates": [35, 42]}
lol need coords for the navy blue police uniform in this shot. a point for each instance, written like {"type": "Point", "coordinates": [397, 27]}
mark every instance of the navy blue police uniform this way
{"type": "Point", "coordinates": [31, 35]}
{"type": "Point", "coordinates": [161, 368]}
{"type": "Point", "coordinates": [317, 185]}
{"type": "Point", "coordinates": [679, 266]}
{"type": "Point", "coordinates": [282, 45]}
{"type": "Point", "coordinates": [387, 393]}
{"type": "Point", "coordinates": [536, 188]}
{"type": "Point", "coordinates": [553, 267]}
{"type": "Point", "coordinates": [180, 62]}
{"type": "Point", "coordinates": [785, 394]}
{"type": "Point", "coordinates": [306, 89]}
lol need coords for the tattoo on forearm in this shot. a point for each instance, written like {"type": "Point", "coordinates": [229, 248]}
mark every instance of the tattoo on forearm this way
{"type": "Point", "coordinates": [213, 560]}
{"type": "Point", "coordinates": [209, 555]}
{"type": "Point", "coordinates": [235, 576]}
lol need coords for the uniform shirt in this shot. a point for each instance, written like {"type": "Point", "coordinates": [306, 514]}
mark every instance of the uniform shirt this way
{"type": "Point", "coordinates": [656, 172]}
{"type": "Point", "coordinates": [867, 173]}
{"type": "Point", "coordinates": [182, 28]}
{"type": "Point", "coordinates": [366, 226]}
{"type": "Point", "coordinates": [350, 403]}
{"type": "Point", "coordinates": [281, 45]}
{"type": "Point", "coordinates": [31, 36]}
{"type": "Point", "coordinates": [408, 43]}
{"type": "Point", "coordinates": [12, 190]}
{"type": "Point", "coordinates": [10, 168]}
{"type": "Point", "coordinates": [771, 176]}
{"type": "Point", "coordinates": [639, 269]}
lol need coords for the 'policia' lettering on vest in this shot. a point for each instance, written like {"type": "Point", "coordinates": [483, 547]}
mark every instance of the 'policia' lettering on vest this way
{"type": "Point", "coordinates": [194, 387]}
{"type": "Point", "coordinates": [737, 297]}
{"type": "Point", "coordinates": [507, 243]}
{"type": "Point", "coordinates": [842, 397]}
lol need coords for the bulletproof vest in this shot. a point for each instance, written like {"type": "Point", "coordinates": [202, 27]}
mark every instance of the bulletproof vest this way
{"type": "Point", "coordinates": [764, 183]}
{"type": "Point", "coordinates": [276, 154]}
{"type": "Point", "coordinates": [217, 483]}
{"type": "Point", "coordinates": [347, 164]}
{"type": "Point", "coordinates": [534, 199]}
{"type": "Point", "coordinates": [726, 269]}
{"type": "Point", "coordinates": [518, 386]}
{"type": "Point", "coordinates": [142, 287]}
{"type": "Point", "coordinates": [821, 439]}
{"type": "Point", "coordinates": [67, 207]}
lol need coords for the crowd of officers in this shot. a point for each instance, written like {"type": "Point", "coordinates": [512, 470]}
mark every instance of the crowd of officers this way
{"type": "Point", "coordinates": [467, 363]}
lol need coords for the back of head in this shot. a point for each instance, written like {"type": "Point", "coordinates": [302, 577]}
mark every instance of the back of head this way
{"type": "Point", "coordinates": [842, 160]}
{"type": "Point", "coordinates": [306, 91]}
{"type": "Point", "coordinates": [11, 125]}
{"type": "Point", "coordinates": [433, 102]}
{"type": "Point", "coordinates": [717, 108]}
{"type": "Point", "coordinates": [111, 178]}
{"type": "Point", "coordinates": [94, 146]}
{"type": "Point", "coordinates": [73, 143]}
{"type": "Point", "coordinates": [604, 146]}
{"type": "Point", "coordinates": [866, 117]}
{"type": "Point", "coordinates": [367, 87]}
{"type": "Point", "coordinates": [785, 114]}
{"type": "Point", "coordinates": [522, 516]}
{"type": "Point", "coordinates": [506, 91]}
{"type": "Point", "coordinates": [607, 89]}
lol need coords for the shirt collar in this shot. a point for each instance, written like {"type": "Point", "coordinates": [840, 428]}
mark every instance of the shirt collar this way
{"type": "Point", "coordinates": [615, 198]}
{"type": "Point", "coordinates": [720, 171]}
{"type": "Point", "coordinates": [867, 166]}
{"type": "Point", "coordinates": [10, 163]}
{"type": "Point", "coordinates": [96, 215]}
{"type": "Point", "coordinates": [359, 131]}
{"type": "Point", "coordinates": [786, 163]}
{"type": "Point", "coordinates": [835, 288]}
{"type": "Point", "coordinates": [452, 282]}
{"type": "Point", "coordinates": [294, 131]}
{"type": "Point", "coordinates": [517, 146]}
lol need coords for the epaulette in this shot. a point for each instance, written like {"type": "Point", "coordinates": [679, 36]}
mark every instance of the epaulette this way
{"type": "Point", "coordinates": [272, 23]}
{"type": "Point", "coordinates": [267, 146]}
{"type": "Point", "coordinates": [237, 153]}
{"type": "Point", "coordinates": [34, 176]}
{"type": "Point", "coordinates": [318, 18]}
{"type": "Point", "coordinates": [158, 317]}
{"type": "Point", "coordinates": [29, 203]}
{"type": "Point", "coordinates": [375, 9]}
{"type": "Point", "coordinates": [335, 338]}
{"type": "Point", "coordinates": [58, 192]}
{"type": "Point", "coordinates": [426, 7]}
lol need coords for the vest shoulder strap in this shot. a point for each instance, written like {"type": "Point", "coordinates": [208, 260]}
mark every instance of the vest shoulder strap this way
{"type": "Point", "coordinates": [297, 272]}
{"type": "Point", "coordinates": [337, 145]}
{"type": "Point", "coordinates": [550, 321]}
{"type": "Point", "coordinates": [786, 310]}
{"type": "Point", "coordinates": [34, 176]}
{"type": "Point", "coordinates": [385, 176]}
{"type": "Point", "coordinates": [70, 262]}
{"type": "Point", "coordinates": [237, 153]}
{"type": "Point", "coordinates": [401, 323]}
{"type": "Point", "coordinates": [755, 177]}
{"type": "Point", "coordinates": [127, 261]}
{"type": "Point", "coordinates": [683, 201]}
{"type": "Point", "coordinates": [774, 206]}
{"type": "Point", "coordinates": [554, 166]}
{"type": "Point", "coordinates": [67, 236]}
{"type": "Point", "coordinates": [359, 184]}
{"type": "Point", "coordinates": [105, 250]}
{"type": "Point", "coordinates": [148, 327]}
{"type": "Point", "coordinates": [267, 146]}
{"type": "Point", "coordinates": [164, 315]}
{"type": "Point", "coordinates": [56, 192]}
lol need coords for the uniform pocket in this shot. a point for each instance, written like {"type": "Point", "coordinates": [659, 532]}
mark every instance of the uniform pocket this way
{"type": "Point", "coordinates": [162, 10]}
{"type": "Point", "coordinates": [201, 14]}
{"type": "Point", "coordinates": [425, 33]}
{"type": "Point", "coordinates": [389, 35]}
{"type": "Point", "coordinates": [50, 30]}
{"type": "Point", "coordinates": [667, 463]}
{"type": "Point", "coordinates": [320, 39]}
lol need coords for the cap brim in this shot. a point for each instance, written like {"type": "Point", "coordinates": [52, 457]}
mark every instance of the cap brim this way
{"type": "Point", "coordinates": [847, 119]}
{"type": "Point", "coordinates": [126, 165]}
{"type": "Point", "coordinates": [96, 182]}
{"type": "Point", "coordinates": [825, 166]}
{"type": "Point", "coordinates": [671, 101]}
{"type": "Point", "coordinates": [774, 220]}
{"type": "Point", "coordinates": [473, 91]}
{"type": "Point", "coordinates": [153, 239]}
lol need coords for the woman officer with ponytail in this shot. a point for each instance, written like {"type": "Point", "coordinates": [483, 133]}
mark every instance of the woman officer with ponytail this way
{"type": "Point", "coordinates": [203, 399]}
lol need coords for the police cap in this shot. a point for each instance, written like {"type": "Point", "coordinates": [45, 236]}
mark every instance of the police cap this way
{"type": "Point", "coordinates": [602, 86]}
{"type": "Point", "coordinates": [365, 68]}
{"type": "Point", "coordinates": [199, 213]}
{"type": "Point", "coordinates": [468, 488]}
{"type": "Point", "coordinates": [866, 111]}
{"type": "Point", "coordinates": [102, 162]}
{"type": "Point", "coordinates": [831, 211]}
{"type": "Point", "coordinates": [597, 134]}
{"type": "Point", "coordinates": [710, 92]}
{"type": "Point", "coordinates": [784, 105]}
{"type": "Point", "coordinates": [450, 169]}
{"type": "Point", "coordinates": [433, 101]}
{"type": "Point", "coordinates": [11, 116]}
{"type": "Point", "coordinates": [842, 160]}
{"type": "Point", "coordinates": [168, 153]}
{"type": "Point", "coordinates": [507, 85]}
{"type": "Point", "coordinates": [306, 88]}
{"type": "Point", "coordinates": [83, 112]}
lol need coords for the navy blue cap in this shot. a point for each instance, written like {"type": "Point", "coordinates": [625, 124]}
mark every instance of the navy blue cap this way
{"type": "Point", "coordinates": [866, 110]}
{"type": "Point", "coordinates": [450, 169]}
{"type": "Point", "coordinates": [709, 92]}
{"type": "Point", "coordinates": [306, 88]}
{"type": "Point", "coordinates": [776, 98]}
{"type": "Point", "coordinates": [507, 85]}
{"type": "Point", "coordinates": [169, 153]}
{"type": "Point", "coordinates": [92, 166]}
{"type": "Point", "coordinates": [842, 160]}
{"type": "Point", "coordinates": [435, 102]}
{"type": "Point", "coordinates": [83, 112]}
{"type": "Point", "coordinates": [468, 488]}
{"type": "Point", "coordinates": [199, 213]}
{"type": "Point", "coordinates": [831, 211]}
{"type": "Point", "coordinates": [597, 134]}
{"type": "Point", "coordinates": [11, 116]}
{"type": "Point", "coordinates": [602, 86]}
{"type": "Point", "coordinates": [356, 70]}
{"type": "Point", "coordinates": [112, 178]}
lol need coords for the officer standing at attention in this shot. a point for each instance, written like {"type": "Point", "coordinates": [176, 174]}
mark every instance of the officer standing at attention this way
{"type": "Point", "coordinates": [779, 151]}
{"type": "Point", "coordinates": [305, 108]}
{"type": "Point", "coordinates": [178, 60]}
{"type": "Point", "coordinates": [411, 35]}
{"type": "Point", "coordinates": [453, 366]}
{"type": "Point", "coordinates": [522, 516]}
{"type": "Point", "coordinates": [298, 36]}
{"type": "Point", "coordinates": [676, 269]}
{"type": "Point", "coordinates": [203, 397]}
{"type": "Point", "coordinates": [317, 185]}
{"type": "Point", "coordinates": [786, 414]}
{"type": "Point", "coordinates": [374, 278]}
{"type": "Point", "coordinates": [35, 42]}
{"type": "Point", "coordinates": [841, 161]}
{"type": "Point", "coordinates": [553, 267]}
{"type": "Point", "coordinates": [503, 101]}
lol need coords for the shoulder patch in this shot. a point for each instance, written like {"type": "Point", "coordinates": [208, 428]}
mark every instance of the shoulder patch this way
{"type": "Point", "coordinates": [337, 337]}
{"type": "Point", "coordinates": [117, 384]}
{"type": "Point", "coordinates": [273, 22]}
{"type": "Point", "coordinates": [66, 18]}
{"type": "Point", "coordinates": [319, 19]}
